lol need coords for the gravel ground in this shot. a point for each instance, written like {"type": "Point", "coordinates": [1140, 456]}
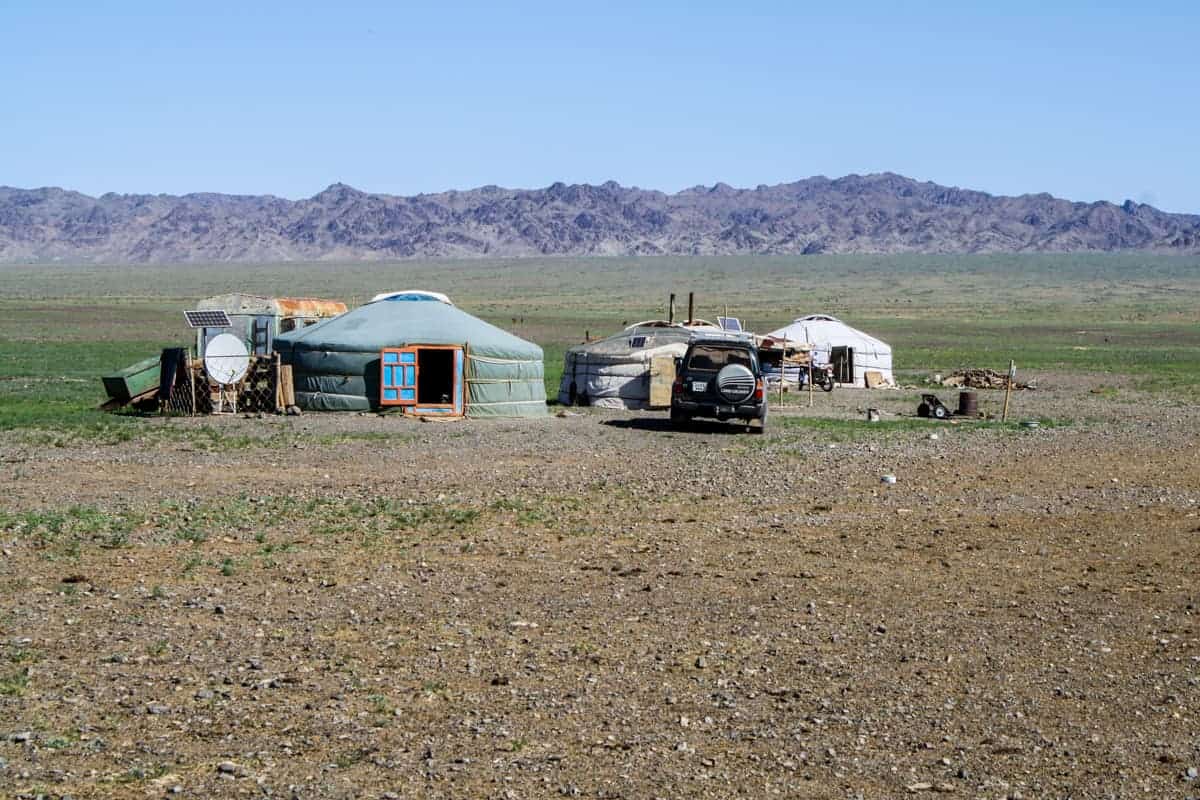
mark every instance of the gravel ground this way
{"type": "Point", "coordinates": [595, 605]}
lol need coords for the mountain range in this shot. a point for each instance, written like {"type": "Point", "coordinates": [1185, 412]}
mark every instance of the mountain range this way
{"type": "Point", "coordinates": [881, 213]}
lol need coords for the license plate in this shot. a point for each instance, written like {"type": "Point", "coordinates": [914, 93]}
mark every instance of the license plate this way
{"type": "Point", "coordinates": [724, 409]}
{"type": "Point", "coordinates": [699, 386]}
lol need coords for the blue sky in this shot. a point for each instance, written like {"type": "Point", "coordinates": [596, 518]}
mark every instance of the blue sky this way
{"type": "Point", "coordinates": [1085, 100]}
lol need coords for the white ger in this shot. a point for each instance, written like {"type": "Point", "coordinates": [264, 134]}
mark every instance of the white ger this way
{"type": "Point", "coordinates": [851, 352]}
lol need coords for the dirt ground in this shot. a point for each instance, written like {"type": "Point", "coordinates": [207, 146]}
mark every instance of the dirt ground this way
{"type": "Point", "coordinates": [595, 605]}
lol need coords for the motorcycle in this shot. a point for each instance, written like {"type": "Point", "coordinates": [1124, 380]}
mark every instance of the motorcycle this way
{"type": "Point", "coordinates": [822, 377]}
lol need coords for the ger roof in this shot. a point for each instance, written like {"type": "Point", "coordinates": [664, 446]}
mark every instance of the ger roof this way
{"type": "Point", "coordinates": [648, 336]}
{"type": "Point", "coordinates": [823, 329]}
{"type": "Point", "coordinates": [399, 323]}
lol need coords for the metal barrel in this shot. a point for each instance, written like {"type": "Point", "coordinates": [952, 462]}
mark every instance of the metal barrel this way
{"type": "Point", "coordinates": [968, 404]}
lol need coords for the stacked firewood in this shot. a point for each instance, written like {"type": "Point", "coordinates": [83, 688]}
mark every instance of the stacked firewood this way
{"type": "Point", "coordinates": [982, 379]}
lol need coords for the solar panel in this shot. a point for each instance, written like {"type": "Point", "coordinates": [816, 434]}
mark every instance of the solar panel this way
{"type": "Point", "coordinates": [730, 323]}
{"type": "Point", "coordinates": [637, 341]}
{"type": "Point", "coordinates": [207, 319]}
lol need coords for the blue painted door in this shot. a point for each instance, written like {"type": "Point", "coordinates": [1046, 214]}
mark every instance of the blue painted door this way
{"type": "Point", "coordinates": [398, 377]}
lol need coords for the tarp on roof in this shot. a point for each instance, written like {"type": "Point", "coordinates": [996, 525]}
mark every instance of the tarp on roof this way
{"type": "Point", "coordinates": [335, 363]}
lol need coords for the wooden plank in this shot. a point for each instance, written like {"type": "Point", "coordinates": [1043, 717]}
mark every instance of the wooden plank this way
{"type": "Point", "coordinates": [662, 377]}
{"type": "Point", "coordinates": [874, 378]}
{"type": "Point", "coordinates": [289, 386]}
{"type": "Point", "coordinates": [277, 380]}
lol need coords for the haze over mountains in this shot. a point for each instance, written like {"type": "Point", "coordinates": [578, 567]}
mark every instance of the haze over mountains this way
{"type": "Point", "coordinates": [884, 213]}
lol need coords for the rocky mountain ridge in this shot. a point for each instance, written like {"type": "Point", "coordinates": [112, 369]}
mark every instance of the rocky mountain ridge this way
{"type": "Point", "coordinates": [883, 213]}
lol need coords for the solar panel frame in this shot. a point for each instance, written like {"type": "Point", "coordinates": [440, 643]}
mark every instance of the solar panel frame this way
{"type": "Point", "coordinates": [730, 323]}
{"type": "Point", "coordinates": [216, 318]}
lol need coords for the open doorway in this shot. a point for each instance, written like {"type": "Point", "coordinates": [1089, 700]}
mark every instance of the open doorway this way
{"type": "Point", "coordinates": [842, 361]}
{"type": "Point", "coordinates": [435, 387]}
{"type": "Point", "coordinates": [423, 380]}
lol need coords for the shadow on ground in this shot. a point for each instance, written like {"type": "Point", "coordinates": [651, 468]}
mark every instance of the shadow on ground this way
{"type": "Point", "coordinates": [663, 425]}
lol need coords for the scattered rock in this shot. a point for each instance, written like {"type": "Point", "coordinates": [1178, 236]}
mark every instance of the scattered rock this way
{"type": "Point", "coordinates": [168, 783]}
{"type": "Point", "coordinates": [781, 693]}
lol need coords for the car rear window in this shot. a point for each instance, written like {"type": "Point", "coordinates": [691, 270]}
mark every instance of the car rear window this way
{"type": "Point", "coordinates": [706, 357]}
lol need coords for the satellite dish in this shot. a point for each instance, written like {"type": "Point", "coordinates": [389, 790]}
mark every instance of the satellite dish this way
{"type": "Point", "coordinates": [226, 359]}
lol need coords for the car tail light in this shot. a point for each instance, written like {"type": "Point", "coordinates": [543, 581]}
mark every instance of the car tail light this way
{"type": "Point", "coordinates": [677, 387]}
{"type": "Point", "coordinates": [759, 390]}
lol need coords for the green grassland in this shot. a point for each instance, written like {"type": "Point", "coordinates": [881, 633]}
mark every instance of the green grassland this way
{"type": "Point", "coordinates": [1134, 316]}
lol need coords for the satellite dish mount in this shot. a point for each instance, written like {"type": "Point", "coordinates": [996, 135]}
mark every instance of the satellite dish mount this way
{"type": "Point", "coordinates": [226, 361]}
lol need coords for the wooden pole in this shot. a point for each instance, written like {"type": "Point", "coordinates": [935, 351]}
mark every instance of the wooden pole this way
{"type": "Point", "coordinates": [810, 377]}
{"type": "Point", "coordinates": [1012, 373]}
{"type": "Point", "coordinates": [810, 366]}
{"type": "Point", "coordinates": [671, 312]}
{"type": "Point", "coordinates": [691, 307]}
{"type": "Point", "coordinates": [192, 382]}
{"type": "Point", "coordinates": [278, 368]}
{"type": "Point", "coordinates": [782, 370]}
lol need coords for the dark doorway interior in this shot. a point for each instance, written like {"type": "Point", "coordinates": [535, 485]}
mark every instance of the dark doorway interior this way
{"type": "Point", "coordinates": [435, 384]}
{"type": "Point", "coordinates": [842, 361]}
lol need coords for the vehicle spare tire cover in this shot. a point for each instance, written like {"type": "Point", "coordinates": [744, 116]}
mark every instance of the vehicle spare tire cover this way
{"type": "Point", "coordinates": [735, 383]}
